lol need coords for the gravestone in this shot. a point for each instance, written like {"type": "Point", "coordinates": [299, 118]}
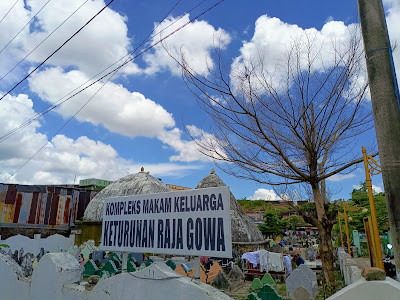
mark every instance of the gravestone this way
{"type": "Point", "coordinates": [130, 267]}
{"type": "Point", "coordinates": [115, 257]}
{"type": "Point", "coordinates": [149, 262]}
{"type": "Point", "coordinates": [27, 264]}
{"type": "Point", "coordinates": [301, 294]}
{"type": "Point", "coordinates": [15, 256]}
{"type": "Point", "coordinates": [309, 273]}
{"type": "Point", "coordinates": [137, 256]}
{"type": "Point", "coordinates": [311, 254]}
{"type": "Point", "coordinates": [86, 252]}
{"type": "Point", "coordinates": [21, 255]}
{"type": "Point", "coordinates": [220, 281]}
{"type": "Point", "coordinates": [252, 296]}
{"type": "Point", "coordinates": [236, 274]}
{"type": "Point", "coordinates": [214, 271]}
{"type": "Point", "coordinates": [302, 277]}
{"type": "Point", "coordinates": [267, 279]}
{"type": "Point", "coordinates": [90, 268]}
{"type": "Point", "coordinates": [110, 268]}
{"type": "Point", "coordinates": [203, 275]}
{"type": "Point", "coordinates": [181, 270]}
{"type": "Point", "coordinates": [267, 292]}
{"type": "Point", "coordinates": [171, 264]}
{"type": "Point", "coordinates": [98, 255]}
{"type": "Point", "coordinates": [255, 285]}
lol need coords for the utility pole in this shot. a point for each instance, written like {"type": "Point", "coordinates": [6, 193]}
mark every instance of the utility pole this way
{"type": "Point", "coordinates": [385, 106]}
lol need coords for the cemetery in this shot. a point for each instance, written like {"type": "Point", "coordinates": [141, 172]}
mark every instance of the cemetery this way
{"type": "Point", "coordinates": [63, 267]}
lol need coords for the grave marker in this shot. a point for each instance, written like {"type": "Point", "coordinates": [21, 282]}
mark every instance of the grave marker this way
{"type": "Point", "coordinates": [267, 279]}
{"type": "Point", "coordinates": [267, 292]}
{"type": "Point", "coordinates": [301, 294]}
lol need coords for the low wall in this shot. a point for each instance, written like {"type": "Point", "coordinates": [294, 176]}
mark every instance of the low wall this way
{"type": "Point", "coordinates": [362, 290]}
{"type": "Point", "coordinates": [33, 246]}
{"type": "Point", "coordinates": [348, 267]}
{"type": "Point", "coordinates": [57, 276]}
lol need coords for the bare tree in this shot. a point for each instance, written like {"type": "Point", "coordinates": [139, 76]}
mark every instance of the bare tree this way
{"type": "Point", "coordinates": [295, 123]}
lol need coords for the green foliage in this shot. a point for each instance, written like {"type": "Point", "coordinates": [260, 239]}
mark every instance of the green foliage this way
{"type": "Point", "coordinates": [272, 226]}
{"type": "Point", "coordinates": [262, 205]}
{"type": "Point", "coordinates": [293, 222]}
{"type": "Point", "coordinates": [307, 207]}
{"type": "Point", "coordinates": [359, 198]}
{"type": "Point", "coordinates": [4, 246]}
{"type": "Point", "coordinates": [253, 205]}
{"type": "Point", "coordinates": [358, 207]}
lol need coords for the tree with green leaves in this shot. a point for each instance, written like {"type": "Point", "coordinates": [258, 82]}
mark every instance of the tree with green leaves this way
{"type": "Point", "coordinates": [293, 222]}
{"type": "Point", "coordinates": [272, 226]}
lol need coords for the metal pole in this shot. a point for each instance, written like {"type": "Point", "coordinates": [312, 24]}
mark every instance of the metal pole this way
{"type": "Point", "coordinates": [385, 106]}
{"type": "Point", "coordinates": [347, 227]}
{"type": "Point", "coordinates": [375, 230]}
{"type": "Point", "coordinates": [340, 228]}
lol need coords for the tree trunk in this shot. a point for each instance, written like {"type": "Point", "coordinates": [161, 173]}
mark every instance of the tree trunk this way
{"type": "Point", "coordinates": [324, 226]}
{"type": "Point", "coordinates": [326, 251]}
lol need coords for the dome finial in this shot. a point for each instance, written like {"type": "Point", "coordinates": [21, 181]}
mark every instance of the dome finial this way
{"type": "Point", "coordinates": [141, 169]}
{"type": "Point", "coordinates": [212, 171]}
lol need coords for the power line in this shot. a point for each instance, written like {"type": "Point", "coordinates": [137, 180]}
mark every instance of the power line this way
{"type": "Point", "coordinates": [113, 72]}
{"type": "Point", "coordinates": [44, 39]}
{"type": "Point", "coordinates": [61, 101]}
{"type": "Point", "coordinates": [70, 38]}
{"type": "Point", "coordinates": [8, 11]}
{"type": "Point", "coordinates": [24, 26]}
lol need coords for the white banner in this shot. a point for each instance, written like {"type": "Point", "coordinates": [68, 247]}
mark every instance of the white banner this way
{"type": "Point", "coordinates": [191, 222]}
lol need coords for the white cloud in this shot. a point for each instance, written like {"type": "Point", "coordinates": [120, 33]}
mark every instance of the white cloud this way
{"type": "Point", "coordinates": [195, 41]}
{"type": "Point", "coordinates": [63, 158]}
{"type": "Point", "coordinates": [116, 108]}
{"type": "Point", "coordinates": [96, 47]}
{"type": "Point", "coordinates": [188, 150]}
{"type": "Point", "coordinates": [268, 49]}
{"type": "Point", "coordinates": [264, 194]}
{"type": "Point", "coordinates": [341, 177]}
{"type": "Point", "coordinates": [377, 189]}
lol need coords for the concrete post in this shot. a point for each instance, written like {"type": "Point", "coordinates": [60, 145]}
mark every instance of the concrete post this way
{"type": "Point", "coordinates": [197, 269]}
{"type": "Point", "coordinates": [356, 241]}
{"type": "Point", "coordinates": [385, 106]}
{"type": "Point", "coordinates": [124, 261]}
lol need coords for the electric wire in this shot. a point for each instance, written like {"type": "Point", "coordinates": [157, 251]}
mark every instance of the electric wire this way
{"type": "Point", "coordinates": [113, 72]}
{"type": "Point", "coordinates": [61, 101]}
{"type": "Point", "coordinates": [8, 11]}
{"type": "Point", "coordinates": [70, 38]}
{"type": "Point", "coordinates": [24, 26]}
{"type": "Point", "coordinates": [44, 40]}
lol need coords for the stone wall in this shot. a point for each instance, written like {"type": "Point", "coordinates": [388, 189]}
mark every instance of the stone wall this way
{"type": "Point", "coordinates": [51, 243]}
{"type": "Point", "coordinates": [348, 267]}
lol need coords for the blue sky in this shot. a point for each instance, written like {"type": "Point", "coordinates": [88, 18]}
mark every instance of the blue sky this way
{"type": "Point", "coordinates": [138, 118]}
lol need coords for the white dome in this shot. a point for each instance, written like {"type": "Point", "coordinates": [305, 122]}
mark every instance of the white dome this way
{"type": "Point", "coordinates": [134, 184]}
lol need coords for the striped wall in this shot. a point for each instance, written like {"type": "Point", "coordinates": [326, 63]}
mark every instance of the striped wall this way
{"type": "Point", "coordinates": [38, 206]}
